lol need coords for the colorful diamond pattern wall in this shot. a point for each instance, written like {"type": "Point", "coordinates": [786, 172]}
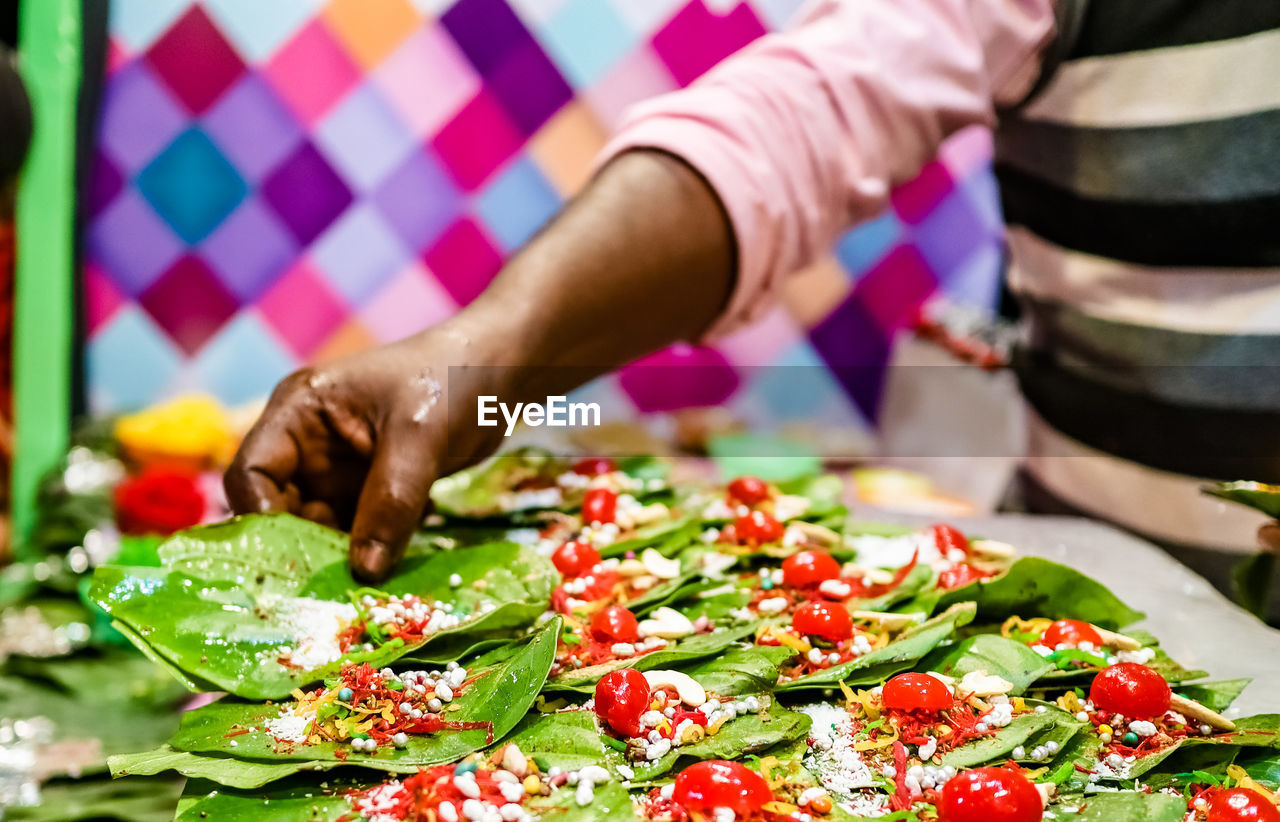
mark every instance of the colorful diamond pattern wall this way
{"type": "Point", "coordinates": [283, 182]}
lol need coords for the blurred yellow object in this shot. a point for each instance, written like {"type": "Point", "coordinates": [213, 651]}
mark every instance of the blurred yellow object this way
{"type": "Point", "coordinates": [193, 432]}
{"type": "Point", "coordinates": [906, 491]}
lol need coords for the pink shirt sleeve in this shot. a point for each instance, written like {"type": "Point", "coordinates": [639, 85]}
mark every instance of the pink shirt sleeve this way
{"type": "Point", "coordinates": [803, 134]}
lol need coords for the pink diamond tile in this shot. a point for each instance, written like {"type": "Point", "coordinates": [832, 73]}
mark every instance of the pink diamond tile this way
{"type": "Point", "coordinates": [312, 72]}
{"type": "Point", "coordinates": [195, 60]}
{"type": "Point", "coordinates": [682, 376]}
{"type": "Point", "coordinates": [698, 37]}
{"type": "Point", "coordinates": [412, 301]}
{"type": "Point", "coordinates": [893, 290]}
{"type": "Point", "coordinates": [464, 260]}
{"type": "Point", "coordinates": [189, 303]}
{"type": "Point", "coordinates": [428, 59]}
{"type": "Point", "coordinates": [479, 140]}
{"type": "Point", "coordinates": [101, 298]}
{"type": "Point", "coordinates": [763, 342]}
{"type": "Point", "coordinates": [639, 76]}
{"type": "Point", "coordinates": [967, 151]}
{"type": "Point", "coordinates": [914, 200]}
{"type": "Point", "coordinates": [302, 309]}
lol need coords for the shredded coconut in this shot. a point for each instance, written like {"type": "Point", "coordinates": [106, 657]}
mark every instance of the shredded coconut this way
{"type": "Point", "coordinates": [832, 756]}
{"type": "Point", "coordinates": [316, 624]}
{"type": "Point", "coordinates": [378, 802]}
{"type": "Point", "coordinates": [291, 727]}
{"type": "Point", "coordinates": [874, 551]}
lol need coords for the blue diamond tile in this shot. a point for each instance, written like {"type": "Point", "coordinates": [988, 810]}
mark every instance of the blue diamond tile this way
{"type": "Point", "coordinates": [586, 38]}
{"type": "Point", "coordinates": [242, 363]}
{"type": "Point", "coordinates": [517, 203]}
{"type": "Point", "coordinates": [130, 362]}
{"type": "Point", "coordinates": [192, 186]}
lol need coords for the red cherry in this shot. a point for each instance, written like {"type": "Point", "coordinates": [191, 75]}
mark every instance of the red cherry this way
{"type": "Point", "coordinates": [958, 576]}
{"type": "Point", "coordinates": [1241, 805]}
{"type": "Point", "coordinates": [829, 620]}
{"type": "Point", "coordinates": [1070, 632]}
{"type": "Point", "coordinates": [990, 795]}
{"type": "Point", "coordinates": [916, 692]}
{"type": "Point", "coordinates": [720, 784]}
{"type": "Point", "coordinates": [757, 528]}
{"type": "Point", "coordinates": [573, 559]}
{"type": "Point", "coordinates": [621, 698]}
{"type": "Point", "coordinates": [599, 505]}
{"type": "Point", "coordinates": [595, 466]}
{"type": "Point", "coordinates": [809, 568]}
{"type": "Point", "coordinates": [1131, 689]}
{"type": "Point", "coordinates": [615, 624]}
{"type": "Point", "coordinates": [947, 538]}
{"type": "Point", "coordinates": [749, 490]}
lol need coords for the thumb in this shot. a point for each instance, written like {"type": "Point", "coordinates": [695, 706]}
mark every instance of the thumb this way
{"type": "Point", "coordinates": [392, 503]}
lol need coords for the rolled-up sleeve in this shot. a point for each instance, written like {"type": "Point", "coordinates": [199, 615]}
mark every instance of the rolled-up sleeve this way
{"type": "Point", "coordinates": [803, 133]}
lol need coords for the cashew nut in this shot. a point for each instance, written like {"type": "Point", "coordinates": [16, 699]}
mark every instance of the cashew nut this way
{"type": "Point", "coordinates": [981, 683]}
{"type": "Point", "coordinates": [688, 689]}
{"type": "Point", "coordinates": [816, 534]}
{"type": "Point", "coordinates": [1118, 641]}
{"type": "Point", "coordinates": [649, 513]}
{"type": "Point", "coordinates": [660, 566]}
{"type": "Point", "coordinates": [1194, 710]}
{"type": "Point", "coordinates": [1047, 791]}
{"type": "Point", "coordinates": [990, 549]}
{"type": "Point", "coordinates": [666, 623]}
{"type": "Point", "coordinates": [631, 568]}
{"type": "Point", "coordinates": [888, 621]}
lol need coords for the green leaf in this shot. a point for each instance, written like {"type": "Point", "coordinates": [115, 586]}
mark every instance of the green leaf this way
{"type": "Point", "coordinates": [1125, 806]}
{"type": "Point", "coordinates": [1261, 731]}
{"type": "Point", "coordinates": [739, 736]}
{"type": "Point", "coordinates": [215, 611]}
{"type": "Point", "coordinates": [1038, 587]}
{"type": "Point", "coordinates": [500, 696]}
{"type": "Point", "coordinates": [1216, 696]}
{"type": "Point", "coordinates": [992, 653]}
{"type": "Point", "coordinates": [81, 800]}
{"type": "Point", "coordinates": [1251, 582]}
{"type": "Point", "coordinates": [1256, 495]}
{"type": "Point", "coordinates": [902, 653]}
{"type": "Point", "coordinates": [686, 650]}
{"type": "Point", "coordinates": [294, 799]}
{"type": "Point", "coordinates": [1025, 731]}
{"type": "Point", "coordinates": [485, 490]}
{"type": "Point", "coordinates": [226, 770]}
{"type": "Point", "coordinates": [740, 671]}
{"type": "Point", "coordinates": [668, 537]}
{"type": "Point", "coordinates": [568, 740]}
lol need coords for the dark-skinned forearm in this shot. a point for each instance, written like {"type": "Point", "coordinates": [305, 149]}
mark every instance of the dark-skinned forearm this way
{"type": "Point", "coordinates": [644, 257]}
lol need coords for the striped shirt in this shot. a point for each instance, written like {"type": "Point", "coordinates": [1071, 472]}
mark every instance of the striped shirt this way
{"type": "Point", "coordinates": [1136, 152]}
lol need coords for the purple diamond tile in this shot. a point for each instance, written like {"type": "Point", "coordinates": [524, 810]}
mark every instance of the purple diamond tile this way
{"type": "Point", "coordinates": [105, 182]}
{"type": "Point", "coordinates": [139, 117]}
{"type": "Point", "coordinates": [306, 193]}
{"type": "Point", "coordinates": [950, 233]}
{"type": "Point", "coordinates": [419, 200]}
{"type": "Point", "coordinates": [252, 127]}
{"type": "Point", "coordinates": [359, 254]}
{"type": "Point", "coordinates": [131, 243]}
{"type": "Point", "coordinates": [486, 31]}
{"type": "Point", "coordinates": [250, 250]}
{"type": "Point", "coordinates": [529, 86]}
{"type": "Point", "coordinates": [189, 303]}
{"type": "Point", "coordinates": [856, 350]}
{"type": "Point", "coordinates": [364, 138]}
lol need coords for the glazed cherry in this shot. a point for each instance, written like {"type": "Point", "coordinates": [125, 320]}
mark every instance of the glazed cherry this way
{"type": "Point", "coordinates": [757, 528]}
{"type": "Point", "coordinates": [748, 490]}
{"type": "Point", "coordinates": [829, 620]}
{"type": "Point", "coordinates": [573, 559]}
{"type": "Point", "coordinates": [1070, 632]}
{"type": "Point", "coordinates": [916, 692]}
{"type": "Point", "coordinates": [595, 466]}
{"type": "Point", "coordinates": [809, 568]}
{"type": "Point", "coordinates": [949, 538]}
{"type": "Point", "coordinates": [1134, 690]}
{"type": "Point", "coordinates": [720, 784]}
{"type": "Point", "coordinates": [622, 697]}
{"type": "Point", "coordinates": [1241, 805]}
{"type": "Point", "coordinates": [599, 505]}
{"type": "Point", "coordinates": [615, 624]}
{"type": "Point", "coordinates": [990, 795]}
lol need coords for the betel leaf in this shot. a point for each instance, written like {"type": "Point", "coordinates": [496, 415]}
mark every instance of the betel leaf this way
{"type": "Point", "coordinates": [1025, 731]}
{"type": "Point", "coordinates": [683, 651]}
{"type": "Point", "coordinates": [1120, 806]}
{"type": "Point", "coordinates": [1038, 587]}
{"type": "Point", "coordinates": [610, 803]}
{"type": "Point", "coordinates": [488, 489]}
{"type": "Point", "coordinates": [82, 800]}
{"type": "Point", "coordinates": [1251, 582]}
{"type": "Point", "coordinates": [218, 610]}
{"type": "Point", "coordinates": [902, 653]}
{"type": "Point", "coordinates": [568, 740]}
{"type": "Point", "coordinates": [1261, 731]}
{"type": "Point", "coordinates": [992, 654]}
{"type": "Point", "coordinates": [1256, 495]}
{"type": "Point", "coordinates": [1216, 696]}
{"type": "Point", "coordinates": [500, 695]}
{"type": "Point", "coordinates": [746, 734]}
{"type": "Point", "coordinates": [668, 537]}
{"type": "Point", "coordinates": [226, 770]}
{"type": "Point", "coordinates": [740, 671]}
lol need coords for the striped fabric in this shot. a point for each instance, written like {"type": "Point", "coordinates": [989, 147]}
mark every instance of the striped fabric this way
{"type": "Point", "coordinates": [1141, 184]}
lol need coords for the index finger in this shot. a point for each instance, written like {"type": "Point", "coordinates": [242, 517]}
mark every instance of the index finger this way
{"type": "Point", "coordinates": [267, 459]}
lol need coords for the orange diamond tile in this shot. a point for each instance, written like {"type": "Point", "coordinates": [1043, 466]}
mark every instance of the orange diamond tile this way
{"type": "Point", "coordinates": [351, 338]}
{"type": "Point", "coordinates": [566, 147]}
{"type": "Point", "coordinates": [812, 293]}
{"type": "Point", "coordinates": [371, 29]}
